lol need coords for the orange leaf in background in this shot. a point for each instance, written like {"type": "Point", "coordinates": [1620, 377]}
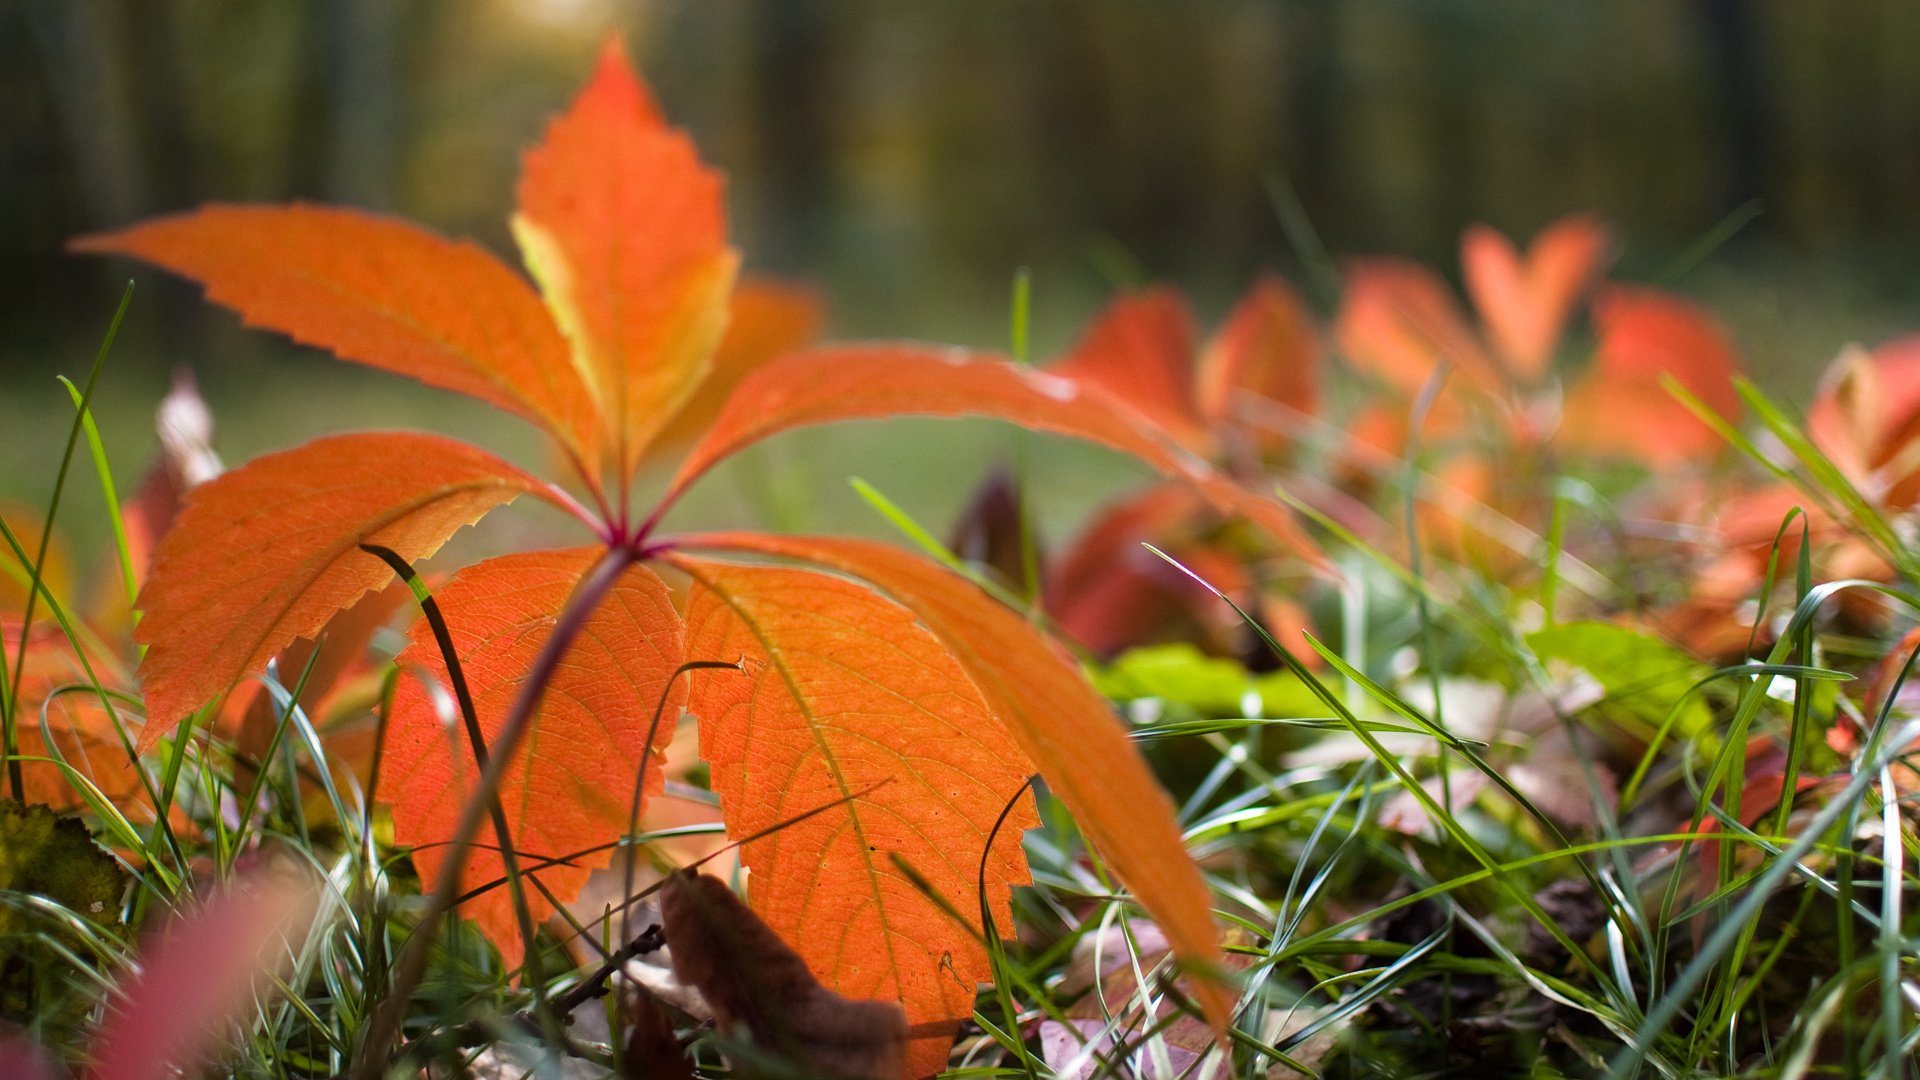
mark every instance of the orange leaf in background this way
{"type": "Point", "coordinates": [1620, 408]}
{"type": "Point", "coordinates": [16, 577]}
{"type": "Point", "coordinates": [82, 731]}
{"type": "Point", "coordinates": [1140, 351]}
{"type": "Point", "coordinates": [1268, 347]}
{"type": "Point", "coordinates": [381, 292]}
{"type": "Point", "coordinates": [268, 552]}
{"type": "Point", "coordinates": [1525, 303]}
{"type": "Point", "coordinates": [1867, 419]}
{"type": "Point", "coordinates": [1066, 729]}
{"type": "Point", "coordinates": [623, 227]}
{"type": "Point", "coordinates": [847, 697]}
{"type": "Point", "coordinates": [572, 788]}
{"type": "Point", "coordinates": [768, 319]}
{"type": "Point", "coordinates": [1399, 323]}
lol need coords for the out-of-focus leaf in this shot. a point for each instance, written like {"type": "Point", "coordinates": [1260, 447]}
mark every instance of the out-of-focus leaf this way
{"type": "Point", "coordinates": [1183, 675]}
{"type": "Point", "coordinates": [1621, 409]}
{"type": "Point", "coordinates": [201, 975]}
{"type": "Point", "coordinates": [1140, 350]}
{"type": "Point", "coordinates": [1268, 347]}
{"type": "Point", "coordinates": [52, 855]}
{"type": "Point", "coordinates": [1525, 302]}
{"type": "Point", "coordinates": [1641, 674]}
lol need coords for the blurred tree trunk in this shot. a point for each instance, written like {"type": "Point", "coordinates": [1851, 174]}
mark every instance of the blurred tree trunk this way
{"type": "Point", "coordinates": [1732, 41]}
{"type": "Point", "coordinates": [793, 63]}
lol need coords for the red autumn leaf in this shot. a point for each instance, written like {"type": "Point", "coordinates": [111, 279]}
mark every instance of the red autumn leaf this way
{"type": "Point", "coordinates": [1620, 409]}
{"type": "Point", "coordinates": [572, 788]}
{"type": "Point", "coordinates": [1140, 351]}
{"type": "Point", "coordinates": [1525, 302]}
{"type": "Point", "coordinates": [1268, 347]}
{"type": "Point", "coordinates": [1867, 419]}
{"type": "Point", "coordinates": [1063, 726]}
{"type": "Point", "coordinates": [846, 696]}
{"type": "Point", "coordinates": [1399, 323]}
{"type": "Point", "coordinates": [380, 292]}
{"type": "Point", "coordinates": [623, 226]}
{"type": "Point", "coordinates": [268, 552]}
{"type": "Point", "coordinates": [855, 382]}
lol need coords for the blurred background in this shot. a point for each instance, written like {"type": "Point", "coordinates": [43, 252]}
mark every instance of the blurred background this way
{"type": "Point", "coordinates": [908, 158]}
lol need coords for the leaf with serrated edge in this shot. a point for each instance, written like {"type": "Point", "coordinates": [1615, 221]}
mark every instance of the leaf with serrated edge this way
{"type": "Point", "coordinates": [847, 696]}
{"type": "Point", "coordinates": [622, 225]}
{"type": "Point", "coordinates": [867, 381]}
{"type": "Point", "coordinates": [381, 292]}
{"type": "Point", "coordinates": [268, 552]}
{"type": "Point", "coordinates": [1060, 723]}
{"type": "Point", "coordinates": [571, 790]}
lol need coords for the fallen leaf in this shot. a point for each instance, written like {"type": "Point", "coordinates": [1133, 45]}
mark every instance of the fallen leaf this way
{"type": "Point", "coordinates": [756, 984]}
{"type": "Point", "coordinates": [51, 855]}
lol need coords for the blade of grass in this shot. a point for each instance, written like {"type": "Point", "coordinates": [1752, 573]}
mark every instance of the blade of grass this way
{"type": "Point", "coordinates": [8, 736]}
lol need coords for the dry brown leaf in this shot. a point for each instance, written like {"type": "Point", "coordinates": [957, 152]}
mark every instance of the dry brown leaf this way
{"type": "Point", "coordinates": [758, 986]}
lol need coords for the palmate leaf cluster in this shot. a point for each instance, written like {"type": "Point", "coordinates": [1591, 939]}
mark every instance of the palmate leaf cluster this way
{"type": "Point", "coordinates": [1477, 708]}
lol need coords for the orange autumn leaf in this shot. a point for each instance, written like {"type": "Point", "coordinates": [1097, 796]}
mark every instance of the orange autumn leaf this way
{"type": "Point", "coordinates": [1525, 302]}
{"type": "Point", "coordinates": [857, 382]}
{"type": "Point", "coordinates": [380, 292]}
{"type": "Point", "coordinates": [268, 552]}
{"type": "Point", "coordinates": [1140, 351]}
{"type": "Point", "coordinates": [1399, 323]}
{"type": "Point", "coordinates": [61, 718]}
{"type": "Point", "coordinates": [1268, 347]}
{"type": "Point", "coordinates": [1061, 724]}
{"type": "Point", "coordinates": [767, 319]}
{"type": "Point", "coordinates": [622, 225]}
{"type": "Point", "coordinates": [571, 790]}
{"type": "Point", "coordinates": [846, 696]}
{"type": "Point", "coordinates": [1867, 419]}
{"type": "Point", "coordinates": [1621, 409]}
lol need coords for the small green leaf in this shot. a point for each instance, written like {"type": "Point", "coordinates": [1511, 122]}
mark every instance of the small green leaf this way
{"type": "Point", "coordinates": [1644, 677]}
{"type": "Point", "coordinates": [1180, 674]}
